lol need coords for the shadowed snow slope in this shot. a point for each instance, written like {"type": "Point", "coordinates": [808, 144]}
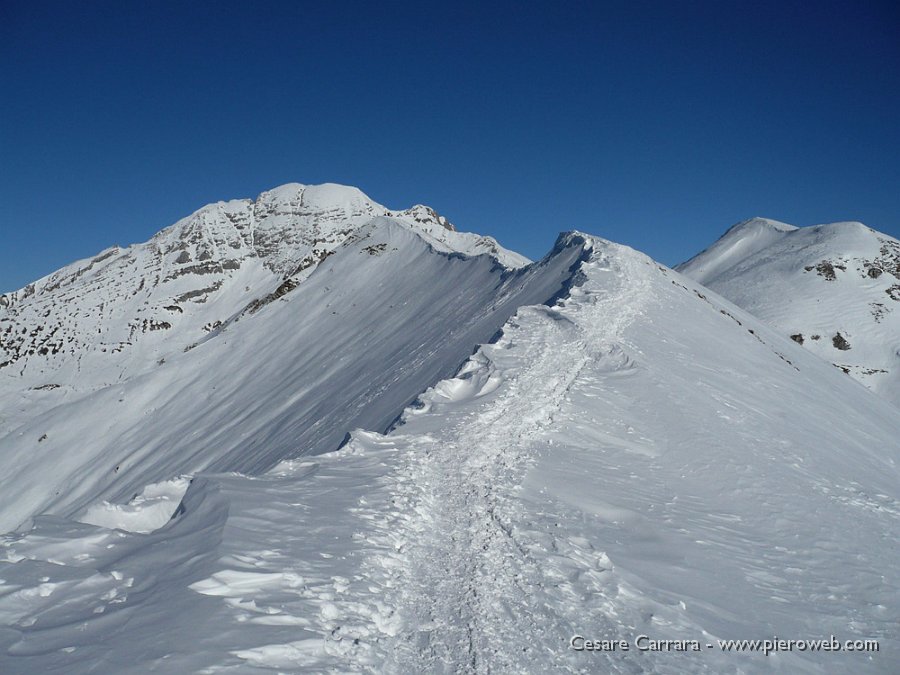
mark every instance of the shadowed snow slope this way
{"type": "Point", "coordinates": [835, 288]}
{"type": "Point", "coordinates": [641, 458]}
{"type": "Point", "coordinates": [99, 321]}
{"type": "Point", "coordinates": [377, 322]}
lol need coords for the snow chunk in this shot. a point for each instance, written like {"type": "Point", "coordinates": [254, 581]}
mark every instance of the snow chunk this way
{"type": "Point", "coordinates": [147, 512]}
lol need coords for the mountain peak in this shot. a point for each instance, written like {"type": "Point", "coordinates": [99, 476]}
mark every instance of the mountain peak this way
{"type": "Point", "coordinates": [738, 243]}
{"type": "Point", "coordinates": [425, 214]}
{"type": "Point", "coordinates": [323, 197]}
{"type": "Point", "coordinates": [757, 223]}
{"type": "Point", "coordinates": [833, 288]}
{"type": "Point", "coordinates": [199, 274]}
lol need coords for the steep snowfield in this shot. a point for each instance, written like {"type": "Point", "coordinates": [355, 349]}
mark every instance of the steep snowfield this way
{"type": "Point", "coordinates": [640, 458]}
{"type": "Point", "coordinates": [377, 322]}
{"type": "Point", "coordinates": [835, 287]}
{"type": "Point", "coordinates": [103, 320]}
{"type": "Point", "coordinates": [740, 242]}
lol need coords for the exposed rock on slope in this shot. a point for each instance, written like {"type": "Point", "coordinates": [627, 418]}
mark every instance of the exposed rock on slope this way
{"type": "Point", "coordinates": [833, 288]}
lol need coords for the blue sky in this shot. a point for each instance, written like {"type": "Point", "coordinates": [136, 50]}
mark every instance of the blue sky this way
{"type": "Point", "coordinates": [656, 124]}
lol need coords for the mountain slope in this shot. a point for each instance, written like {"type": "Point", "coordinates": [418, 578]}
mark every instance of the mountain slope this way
{"type": "Point", "coordinates": [377, 322]}
{"type": "Point", "coordinates": [834, 288]}
{"type": "Point", "coordinates": [103, 320]}
{"type": "Point", "coordinates": [641, 458]}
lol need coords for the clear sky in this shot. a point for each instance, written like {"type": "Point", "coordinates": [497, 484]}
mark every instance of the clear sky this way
{"type": "Point", "coordinates": [656, 124]}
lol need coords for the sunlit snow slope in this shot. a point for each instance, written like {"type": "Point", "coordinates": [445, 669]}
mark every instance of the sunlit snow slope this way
{"type": "Point", "coordinates": [834, 288]}
{"type": "Point", "coordinates": [640, 458]}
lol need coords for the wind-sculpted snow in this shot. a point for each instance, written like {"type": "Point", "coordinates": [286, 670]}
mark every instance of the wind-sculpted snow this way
{"type": "Point", "coordinates": [641, 458]}
{"type": "Point", "coordinates": [834, 288]}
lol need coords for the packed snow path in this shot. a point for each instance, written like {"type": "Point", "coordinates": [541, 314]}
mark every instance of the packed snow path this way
{"type": "Point", "coordinates": [465, 578]}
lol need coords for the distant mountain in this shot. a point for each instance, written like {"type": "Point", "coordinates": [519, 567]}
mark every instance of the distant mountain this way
{"type": "Point", "coordinates": [833, 288]}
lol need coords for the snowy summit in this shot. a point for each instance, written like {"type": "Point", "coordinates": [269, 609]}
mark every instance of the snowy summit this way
{"type": "Point", "coordinates": [835, 289]}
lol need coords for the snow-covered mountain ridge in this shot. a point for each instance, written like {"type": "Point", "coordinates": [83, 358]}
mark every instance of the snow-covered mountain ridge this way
{"type": "Point", "coordinates": [382, 318]}
{"type": "Point", "coordinates": [101, 320]}
{"type": "Point", "coordinates": [296, 475]}
{"type": "Point", "coordinates": [636, 457]}
{"type": "Point", "coordinates": [833, 288]}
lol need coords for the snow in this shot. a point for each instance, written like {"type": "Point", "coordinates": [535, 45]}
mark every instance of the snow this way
{"type": "Point", "coordinates": [637, 456]}
{"type": "Point", "coordinates": [350, 346]}
{"type": "Point", "coordinates": [104, 320]}
{"type": "Point", "coordinates": [817, 283]}
{"type": "Point", "coordinates": [146, 512]}
{"type": "Point", "coordinates": [740, 242]}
